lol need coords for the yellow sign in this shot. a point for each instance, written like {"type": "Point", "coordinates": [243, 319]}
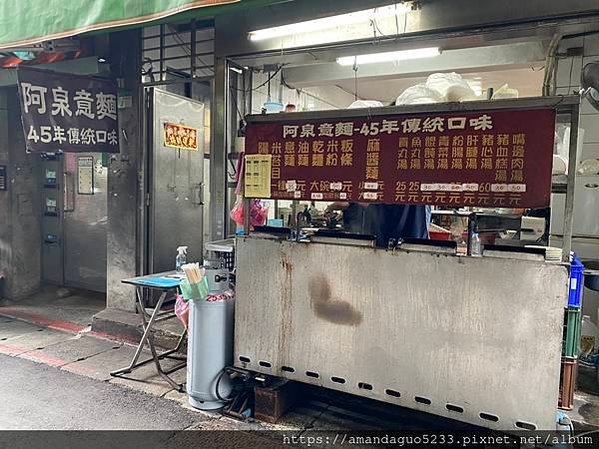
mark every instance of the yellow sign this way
{"type": "Point", "coordinates": [181, 137]}
{"type": "Point", "coordinates": [258, 171]}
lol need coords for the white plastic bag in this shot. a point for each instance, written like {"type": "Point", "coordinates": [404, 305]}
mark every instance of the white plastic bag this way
{"type": "Point", "coordinates": [562, 143]}
{"type": "Point", "coordinates": [505, 92]}
{"type": "Point", "coordinates": [560, 165]}
{"type": "Point", "coordinates": [418, 94]}
{"type": "Point", "coordinates": [365, 104]}
{"type": "Point", "coordinates": [451, 87]}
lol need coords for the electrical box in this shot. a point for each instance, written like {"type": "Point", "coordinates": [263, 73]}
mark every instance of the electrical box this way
{"type": "Point", "coordinates": [50, 178]}
{"type": "Point", "coordinates": [3, 177]}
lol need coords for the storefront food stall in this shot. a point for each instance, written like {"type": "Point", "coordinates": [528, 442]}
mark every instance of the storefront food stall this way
{"type": "Point", "coordinates": [477, 339]}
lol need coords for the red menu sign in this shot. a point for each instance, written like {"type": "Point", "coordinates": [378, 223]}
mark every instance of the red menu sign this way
{"type": "Point", "coordinates": [488, 159]}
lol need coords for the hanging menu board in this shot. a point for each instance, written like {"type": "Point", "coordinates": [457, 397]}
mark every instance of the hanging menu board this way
{"type": "Point", "coordinates": [70, 113]}
{"type": "Point", "coordinates": [487, 159]}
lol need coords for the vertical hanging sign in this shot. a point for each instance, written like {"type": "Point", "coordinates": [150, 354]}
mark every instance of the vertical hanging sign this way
{"type": "Point", "coordinates": [69, 113]}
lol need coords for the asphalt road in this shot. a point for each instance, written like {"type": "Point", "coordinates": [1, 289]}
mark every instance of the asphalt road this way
{"type": "Point", "coordinates": [36, 396]}
{"type": "Point", "coordinates": [42, 397]}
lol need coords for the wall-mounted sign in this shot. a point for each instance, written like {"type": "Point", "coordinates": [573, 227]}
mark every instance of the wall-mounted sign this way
{"type": "Point", "coordinates": [85, 175]}
{"type": "Point", "coordinates": [258, 174]}
{"type": "Point", "coordinates": [181, 137]}
{"type": "Point", "coordinates": [2, 177]}
{"type": "Point", "coordinates": [489, 159]}
{"type": "Point", "coordinates": [70, 113]}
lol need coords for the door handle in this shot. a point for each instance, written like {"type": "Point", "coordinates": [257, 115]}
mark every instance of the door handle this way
{"type": "Point", "coordinates": [198, 194]}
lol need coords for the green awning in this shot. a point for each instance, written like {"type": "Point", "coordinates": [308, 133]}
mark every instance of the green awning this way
{"type": "Point", "coordinates": [27, 22]}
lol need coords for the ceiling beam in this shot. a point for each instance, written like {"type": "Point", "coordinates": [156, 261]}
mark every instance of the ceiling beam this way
{"type": "Point", "coordinates": [435, 17]}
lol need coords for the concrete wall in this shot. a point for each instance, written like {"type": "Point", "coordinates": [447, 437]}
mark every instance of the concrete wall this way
{"type": "Point", "coordinates": [20, 218]}
{"type": "Point", "coordinates": [20, 204]}
{"type": "Point", "coordinates": [5, 202]}
{"type": "Point", "coordinates": [124, 174]}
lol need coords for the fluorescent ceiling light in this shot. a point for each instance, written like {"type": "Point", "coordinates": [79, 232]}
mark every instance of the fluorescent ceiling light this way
{"type": "Point", "coordinates": [331, 22]}
{"type": "Point", "coordinates": [390, 56]}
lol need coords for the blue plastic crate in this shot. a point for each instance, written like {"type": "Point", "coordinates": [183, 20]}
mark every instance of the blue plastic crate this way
{"type": "Point", "coordinates": [576, 283]}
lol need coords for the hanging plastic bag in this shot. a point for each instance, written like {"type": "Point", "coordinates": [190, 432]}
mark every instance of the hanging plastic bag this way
{"type": "Point", "coordinates": [182, 310]}
{"type": "Point", "coordinates": [258, 212]}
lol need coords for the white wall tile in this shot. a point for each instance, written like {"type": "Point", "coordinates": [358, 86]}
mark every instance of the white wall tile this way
{"type": "Point", "coordinates": [321, 98]}
{"type": "Point", "coordinates": [587, 108]}
{"type": "Point", "coordinates": [590, 150]}
{"type": "Point", "coordinates": [563, 91]}
{"type": "Point", "coordinates": [591, 45]}
{"type": "Point", "coordinates": [568, 71]}
{"type": "Point", "coordinates": [588, 59]}
{"type": "Point", "coordinates": [590, 124]}
{"type": "Point", "coordinates": [570, 43]}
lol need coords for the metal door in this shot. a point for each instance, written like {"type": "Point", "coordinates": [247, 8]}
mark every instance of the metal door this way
{"type": "Point", "coordinates": [175, 182]}
{"type": "Point", "coordinates": [85, 221]}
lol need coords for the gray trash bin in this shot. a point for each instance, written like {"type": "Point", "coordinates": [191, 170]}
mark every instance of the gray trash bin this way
{"type": "Point", "coordinates": [209, 350]}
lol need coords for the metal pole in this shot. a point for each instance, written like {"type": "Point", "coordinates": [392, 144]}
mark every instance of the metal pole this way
{"type": "Point", "coordinates": [294, 220]}
{"type": "Point", "coordinates": [572, 164]}
{"type": "Point", "coordinates": [248, 92]}
{"type": "Point", "coordinates": [247, 227]}
{"type": "Point", "coordinates": [471, 226]}
{"type": "Point", "coordinates": [218, 153]}
{"type": "Point", "coordinates": [193, 51]}
{"type": "Point", "coordinates": [162, 68]}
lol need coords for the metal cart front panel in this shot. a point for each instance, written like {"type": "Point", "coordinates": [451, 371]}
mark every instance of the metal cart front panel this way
{"type": "Point", "coordinates": [474, 339]}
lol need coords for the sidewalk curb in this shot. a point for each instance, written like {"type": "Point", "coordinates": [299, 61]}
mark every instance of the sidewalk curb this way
{"type": "Point", "coordinates": [126, 326]}
{"type": "Point", "coordinates": [33, 318]}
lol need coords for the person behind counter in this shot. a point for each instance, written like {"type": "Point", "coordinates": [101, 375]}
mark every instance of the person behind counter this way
{"type": "Point", "coordinates": [385, 221]}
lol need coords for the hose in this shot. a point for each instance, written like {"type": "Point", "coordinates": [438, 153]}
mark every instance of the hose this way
{"type": "Point", "coordinates": [550, 63]}
{"type": "Point", "coordinates": [218, 380]}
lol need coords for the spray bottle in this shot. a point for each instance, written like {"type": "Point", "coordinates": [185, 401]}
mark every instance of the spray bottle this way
{"type": "Point", "coordinates": [181, 258]}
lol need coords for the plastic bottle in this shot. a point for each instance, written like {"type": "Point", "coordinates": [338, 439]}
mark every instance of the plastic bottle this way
{"type": "Point", "coordinates": [475, 246]}
{"type": "Point", "coordinates": [181, 258]}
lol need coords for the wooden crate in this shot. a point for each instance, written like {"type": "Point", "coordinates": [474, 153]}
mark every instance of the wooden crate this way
{"type": "Point", "coordinates": [270, 403]}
